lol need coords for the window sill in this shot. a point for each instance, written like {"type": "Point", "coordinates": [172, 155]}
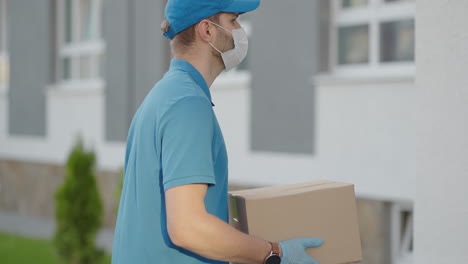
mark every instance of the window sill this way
{"type": "Point", "coordinates": [406, 259]}
{"type": "Point", "coordinates": [367, 75]}
{"type": "Point", "coordinates": [92, 47]}
{"type": "Point", "coordinates": [79, 87]}
{"type": "Point", "coordinates": [325, 79]}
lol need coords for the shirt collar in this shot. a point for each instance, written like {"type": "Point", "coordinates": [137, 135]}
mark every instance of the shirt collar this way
{"type": "Point", "coordinates": [178, 64]}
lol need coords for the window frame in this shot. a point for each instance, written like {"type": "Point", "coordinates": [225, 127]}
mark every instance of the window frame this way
{"type": "Point", "coordinates": [375, 13]}
{"type": "Point", "coordinates": [4, 46]}
{"type": "Point", "coordinates": [402, 233]}
{"type": "Point", "coordinates": [94, 48]}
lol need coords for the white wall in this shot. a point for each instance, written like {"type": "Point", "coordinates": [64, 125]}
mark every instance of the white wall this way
{"type": "Point", "coordinates": [364, 136]}
{"type": "Point", "coordinates": [442, 127]}
{"type": "Point", "coordinates": [69, 113]}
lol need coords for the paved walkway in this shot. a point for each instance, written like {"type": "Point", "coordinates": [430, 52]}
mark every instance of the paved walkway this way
{"type": "Point", "coordinates": [34, 227]}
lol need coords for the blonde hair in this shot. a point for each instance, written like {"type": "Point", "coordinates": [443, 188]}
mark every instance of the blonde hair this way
{"type": "Point", "coordinates": [183, 41]}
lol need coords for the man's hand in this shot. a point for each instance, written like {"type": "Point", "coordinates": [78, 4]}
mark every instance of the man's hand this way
{"type": "Point", "coordinates": [294, 250]}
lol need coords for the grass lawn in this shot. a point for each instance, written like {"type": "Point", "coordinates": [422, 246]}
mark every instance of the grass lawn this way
{"type": "Point", "coordinates": [18, 250]}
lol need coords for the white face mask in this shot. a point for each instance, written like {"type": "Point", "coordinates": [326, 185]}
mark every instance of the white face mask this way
{"type": "Point", "coordinates": [235, 56]}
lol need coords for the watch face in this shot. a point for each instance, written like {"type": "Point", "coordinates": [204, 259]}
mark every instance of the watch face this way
{"type": "Point", "coordinates": [275, 259]}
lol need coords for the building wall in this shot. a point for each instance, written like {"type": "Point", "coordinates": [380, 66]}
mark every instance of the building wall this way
{"type": "Point", "coordinates": [118, 104]}
{"type": "Point", "coordinates": [285, 53]}
{"type": "Point", "coordinates": [442, 144]}
{"type": "Point", "coordinates": [318, 127]}
{"type": "Point", "coordinates": [137, 56]}
{"type": "Point", "coordinates": [364, 134]}
{"type": "Point", "coordinates": [29, 44]}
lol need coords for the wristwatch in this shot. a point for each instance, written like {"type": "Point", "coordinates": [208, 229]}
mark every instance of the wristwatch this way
{"type": "Point", "coordinates": [274, 256]}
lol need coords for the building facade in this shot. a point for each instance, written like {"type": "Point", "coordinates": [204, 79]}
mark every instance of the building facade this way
{"type": "Point", "coordinates": [327, 92]}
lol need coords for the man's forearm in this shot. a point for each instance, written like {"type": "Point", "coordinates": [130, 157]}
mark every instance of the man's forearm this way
{"type": "Point", "coordinates": [209, 236]}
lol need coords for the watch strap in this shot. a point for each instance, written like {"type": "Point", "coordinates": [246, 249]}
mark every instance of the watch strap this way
{"type": "Point", "coordinates": [275, 248]}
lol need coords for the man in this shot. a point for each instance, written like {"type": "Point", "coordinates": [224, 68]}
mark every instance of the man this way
{"type": "Point", "coordinates": [173, 207]}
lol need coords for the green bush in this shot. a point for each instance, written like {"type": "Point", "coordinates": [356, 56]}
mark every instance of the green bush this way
{"type": "Point", "coordinates": [78, 210]}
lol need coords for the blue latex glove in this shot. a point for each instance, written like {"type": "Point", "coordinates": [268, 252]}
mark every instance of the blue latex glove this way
{"type": "Point", "coordinates": [294, 250]}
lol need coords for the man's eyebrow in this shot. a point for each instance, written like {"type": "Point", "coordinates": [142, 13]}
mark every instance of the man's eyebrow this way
{"type": "Point", "coordinates": [236, 15]}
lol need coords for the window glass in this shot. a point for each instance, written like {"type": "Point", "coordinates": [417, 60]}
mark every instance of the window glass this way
{"type": "Point", "coordinates": [66, 67]}
{"type": "Point", "coordinates": [397, 41]}
{"type": "Point", "coordinates": [82, 50]}
{"type": "Point", "coordinates": [353, 3]}
{"type": "Point", "coordinates": [394, 1]}
{"type": "Point", "coordinates": [85, 20]}
{"type": "Point", "coordinates": [4, 63]}
{"type": "Point", "coordinates": [68, 21]}
{"type": "Point", "coordinates": [353, 44]}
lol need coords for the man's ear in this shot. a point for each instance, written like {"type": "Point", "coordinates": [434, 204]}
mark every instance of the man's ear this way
{"type": "Point", "coordinates": [205, 30]}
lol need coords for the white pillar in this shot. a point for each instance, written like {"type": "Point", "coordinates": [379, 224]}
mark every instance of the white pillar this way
{"type": "Point", "coordinates": [441, 208]}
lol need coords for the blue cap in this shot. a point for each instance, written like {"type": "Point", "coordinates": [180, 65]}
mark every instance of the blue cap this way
{"type": "Point", "coordinates": [182, 14]}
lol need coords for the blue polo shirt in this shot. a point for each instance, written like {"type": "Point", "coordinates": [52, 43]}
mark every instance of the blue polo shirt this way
{"type": "Point", "coordinates": [174, 139]}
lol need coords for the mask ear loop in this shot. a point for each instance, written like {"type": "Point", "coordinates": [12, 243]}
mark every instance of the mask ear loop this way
{"type": "Point", "coordinates": [215, 48]}
{"type": "Point", "coordinates": [218, 25]}
{"type": "Point", "coordinates": [210, 42]}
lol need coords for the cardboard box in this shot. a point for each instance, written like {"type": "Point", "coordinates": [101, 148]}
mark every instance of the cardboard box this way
{"type": "Point", "coordinates": [323, 209]}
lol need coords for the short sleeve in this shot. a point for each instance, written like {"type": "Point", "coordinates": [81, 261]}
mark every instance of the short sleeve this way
{"type": "Point", "coordinates": [186, 143]}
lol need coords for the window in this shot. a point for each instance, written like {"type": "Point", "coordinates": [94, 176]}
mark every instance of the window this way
{"type": "Point", "coordinates": [4, 62]}
{"type": "Point", "coordinates": [81, 45]}
{"type": "Point", "coordinates": [373, 37]}
{"type": "Point", "coordinates": [402, 233]}
{"type": "Point", "coordinates": [353, 3]}
{"type": "Point", "coordinates": [353, 44]}
{"type": "Point", "coordinates": [397, 41]}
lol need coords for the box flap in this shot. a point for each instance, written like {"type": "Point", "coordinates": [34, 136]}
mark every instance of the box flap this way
{"type": "Point", "coordinates": [285, 190]}
{"type": "Point", "coordinates": [278, 187]}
